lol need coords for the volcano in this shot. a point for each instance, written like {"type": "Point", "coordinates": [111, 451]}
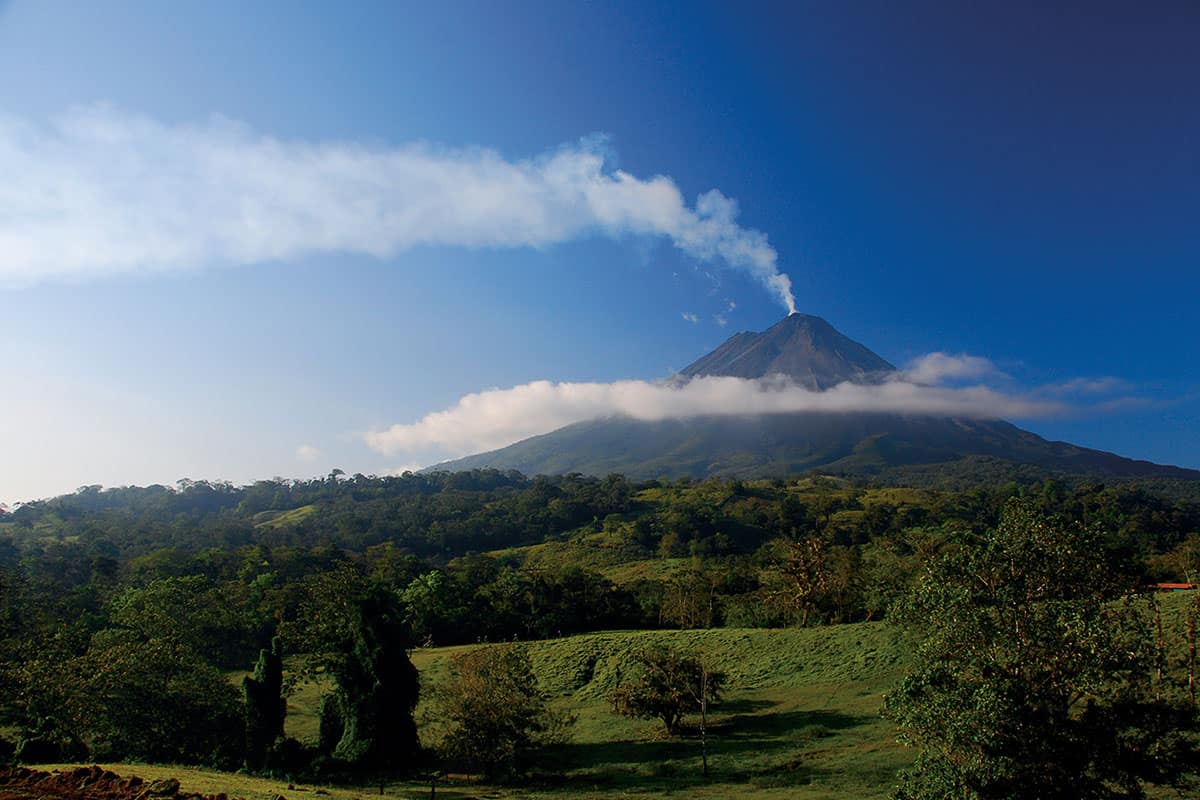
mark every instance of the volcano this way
{"type": "Point", "coordinates": [810, 352]}
{"type": "Point", "coordinates": [806, 349]}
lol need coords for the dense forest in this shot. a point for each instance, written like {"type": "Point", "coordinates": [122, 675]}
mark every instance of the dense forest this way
{"type": "Point", "coordinates": [154, 592]}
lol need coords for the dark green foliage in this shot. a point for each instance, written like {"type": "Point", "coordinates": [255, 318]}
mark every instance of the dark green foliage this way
{"type": "Point", "coordinates": [216, 566]}
{"type": "Point", "coordinates": [356, 631]}
{"type": "Point", "coordinates": [332, 724]}
{"type": "Point", "coordinates": [496, 714]}
{"type": "Point", "coordinates": [45, 697]}
{"type": "Point", "coordinates": [265, 705]}
{"type": "Point", "coordinates": [671, 685]}
{"type": "Point", "coordinates": [192, 610]}
{"type": "Point", "coordinates": [129, 698]}
{"type": "Point", "coordinates": [1035, 679]}
{"type": "Point", "coordinates": [97, 585]}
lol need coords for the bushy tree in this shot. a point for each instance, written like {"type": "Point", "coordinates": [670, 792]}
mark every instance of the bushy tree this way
{"type": "Point", "coordinates": [495, 712]}
{"type": "Point", "coordinates": [671, 685]}
{"type": "Point", "coordinates": [159, 701]}
{"type": "Point", "coordinates": [265, 705]}
{"type": "Point", "coordinates": [130, 698]}
{"type": "Point", "coordinates": [355, 630]}
{"type": "Point", "coordinates": [192, 611]}
{"type": "Point", "coordinates": [1034, 679]}
{"type": "Point", "coordinates": [45, 697]}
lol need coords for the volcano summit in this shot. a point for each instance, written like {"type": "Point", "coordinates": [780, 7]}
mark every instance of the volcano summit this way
{"type": "Point", "coordinates": [807, 350]}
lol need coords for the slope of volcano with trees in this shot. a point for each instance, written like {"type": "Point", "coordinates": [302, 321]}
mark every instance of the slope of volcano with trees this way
{"type": "Point", "coordinates": [807, 350]}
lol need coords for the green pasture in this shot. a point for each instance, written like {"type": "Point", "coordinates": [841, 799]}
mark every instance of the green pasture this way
{"type": "Point", "coordinates": [800, 719]}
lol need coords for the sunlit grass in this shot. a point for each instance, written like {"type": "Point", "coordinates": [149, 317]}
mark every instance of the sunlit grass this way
{"type": "Point", "coordinates": [279, 519]}
{"type": "Point", "coordinates": [800, 720]}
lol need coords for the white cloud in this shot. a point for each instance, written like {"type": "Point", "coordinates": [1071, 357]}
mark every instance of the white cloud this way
{"type": "Point", "coordinates": [933, 369]}
{"type": "Point", "coordinates": [1088, 386]}
{"type": "Point", "coordinates": [307, 453]}
{"type": "Point", "coordinates": [689, 317]}
{"type": "Point", "coordinates": [99, 191]}
{"type": "Point", "coordinates": [722, 318]}
{"type": "Point", "coordinates": [403, 468]}
{"type": "Point", "coordinates": [499, 417]}
{"type": "Point", "coordinates": [1127, 403]}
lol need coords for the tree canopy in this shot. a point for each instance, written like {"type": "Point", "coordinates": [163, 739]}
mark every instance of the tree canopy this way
{"type": "Point", "coordinates": [671, 685]}
{"type": "Point", "coordinates": [496, 714]}
{"type": "Point", "coordinates": [1035, 677]}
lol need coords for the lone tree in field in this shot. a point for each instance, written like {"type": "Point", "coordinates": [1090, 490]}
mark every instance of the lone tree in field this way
{"type": "Point", "coordinates": [671, 685]}
{"type": "Point", "coordinates": [496, 714]}
{"type": "Point", "coordinates": [1035, 677]}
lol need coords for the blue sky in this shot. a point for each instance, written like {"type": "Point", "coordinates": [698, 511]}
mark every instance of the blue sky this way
{"type": "Point", "coordinates": [1016, 184]}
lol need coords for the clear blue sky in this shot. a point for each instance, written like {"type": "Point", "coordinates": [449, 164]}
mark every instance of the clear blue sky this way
{"type": "Point", "coordinates": [1018, 182]}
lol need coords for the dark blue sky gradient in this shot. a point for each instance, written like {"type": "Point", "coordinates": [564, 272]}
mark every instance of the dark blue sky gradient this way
{"type": "Point", "coordinates": [1014, 180]}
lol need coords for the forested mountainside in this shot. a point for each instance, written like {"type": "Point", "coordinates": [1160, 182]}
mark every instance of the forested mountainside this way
{"type": "Point", "coordinates": [534, 553]}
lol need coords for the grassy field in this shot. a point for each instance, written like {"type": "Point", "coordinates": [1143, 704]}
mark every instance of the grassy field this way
{"type": "Point", "coordinates": [800, 720]}
{"type": "Point", "coordinates": [279, 519]}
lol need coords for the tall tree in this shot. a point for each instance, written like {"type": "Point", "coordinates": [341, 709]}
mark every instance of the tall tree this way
{"type": "Point", "coordinates": [265, 705]}
{"type": "Point", "coordinates": [802, 569]}
{"type": "Point", "coordinates": [1035, 678]}
{"type": "Point", "coordinates": [356, 631]}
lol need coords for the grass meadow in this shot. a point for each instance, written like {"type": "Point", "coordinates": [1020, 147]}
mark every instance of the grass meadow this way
{"type": "Point", "coordinates": [800, 719]}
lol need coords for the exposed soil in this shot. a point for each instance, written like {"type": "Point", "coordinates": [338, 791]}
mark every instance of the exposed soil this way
{"type": "Point", "coordinates": [88, 783]}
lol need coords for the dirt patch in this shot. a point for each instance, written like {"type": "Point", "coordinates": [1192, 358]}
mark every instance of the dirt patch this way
{"type": "Point", "coordinates": [88, 783]}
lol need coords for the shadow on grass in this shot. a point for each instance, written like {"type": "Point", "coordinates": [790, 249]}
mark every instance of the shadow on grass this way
{"type": "Point", "coordinates": [743, 746]}
{"type": "Point", "coordinates": [745, 706]}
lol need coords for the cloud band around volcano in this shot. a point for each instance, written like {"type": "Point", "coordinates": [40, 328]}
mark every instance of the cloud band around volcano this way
{"type": "Point", "coordinates": [498, 417]}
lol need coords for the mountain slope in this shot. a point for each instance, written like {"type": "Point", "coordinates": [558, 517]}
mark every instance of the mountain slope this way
{"type": "Point", "coordinates": [811, 352]}
{"type": "Point", "coordinates": [786, 444]}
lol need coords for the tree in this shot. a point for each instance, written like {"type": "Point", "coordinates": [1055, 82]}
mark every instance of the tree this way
{"type": "Point", "coordinates": [495, 712]}
{"type": "Point", "coordinates": [802, 567]}
{"type": "Point", "coordinates": [128, 698]}
{"type": "Point", "coordinates": [355, 630]}
{"type": "Point", "coordinates": [192, 611]}
{"type": "Point", "coordinates": [432, 606]}
{"type": "Point", "coordinates": [672, 684]}
{"type": "Point", "coordinates": [1034, 679]}
{"type": "Point", "coordinates": [690, 596]}
{"type": "Point", "coordinates": [157, 700]}
{"type": "Point", "coordinates": [265, 705]}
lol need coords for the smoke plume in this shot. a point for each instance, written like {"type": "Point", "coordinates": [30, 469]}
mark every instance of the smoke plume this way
{"type": "Point", "coordinates": [98, 191]}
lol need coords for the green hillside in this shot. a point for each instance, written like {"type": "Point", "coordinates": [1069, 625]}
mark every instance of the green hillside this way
{"type": "Point", "coordinates": [800, 720]}
{"type": "Point", "coordinates": [800, 717]}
